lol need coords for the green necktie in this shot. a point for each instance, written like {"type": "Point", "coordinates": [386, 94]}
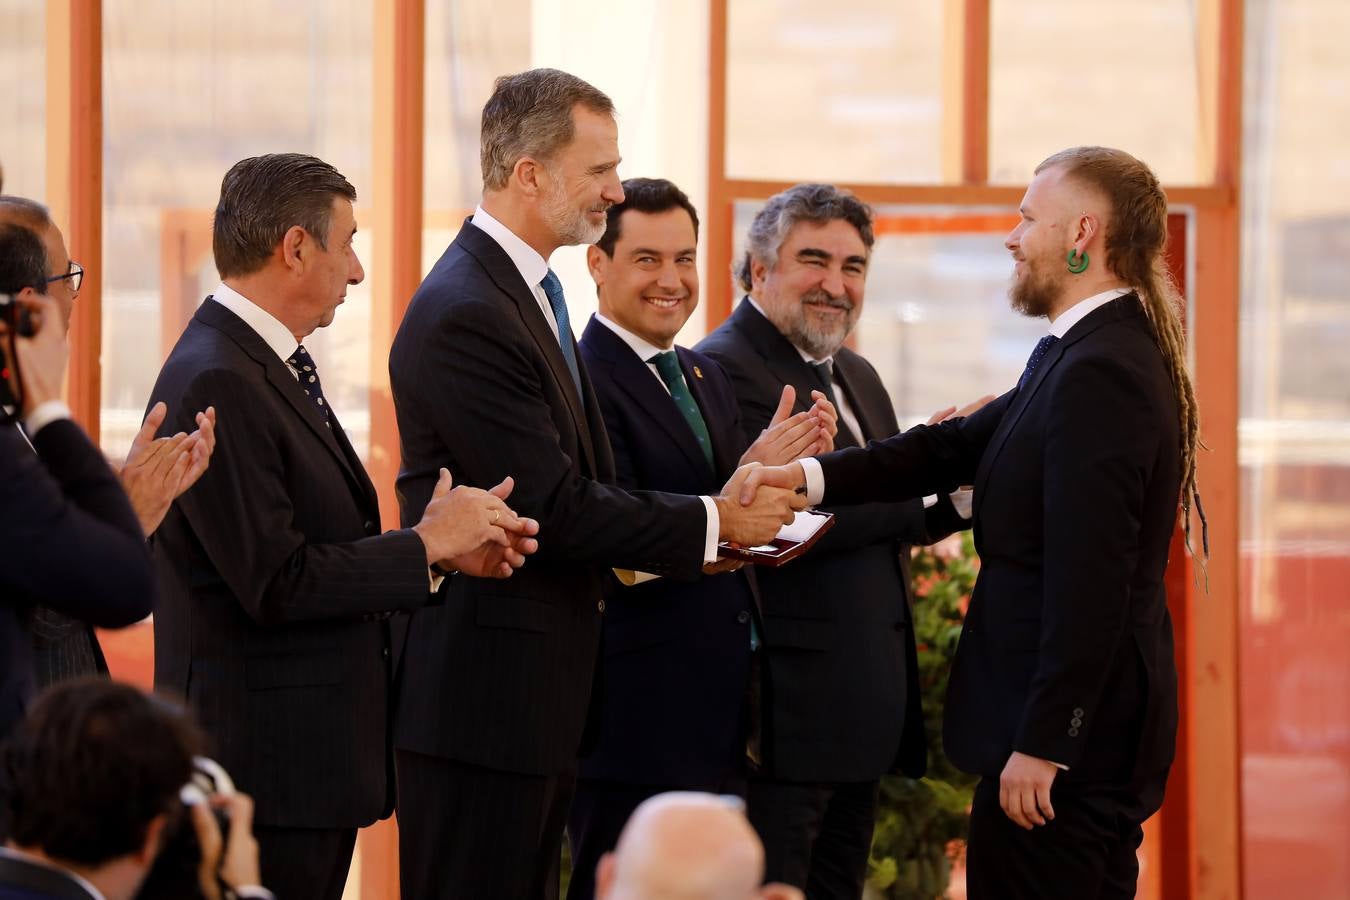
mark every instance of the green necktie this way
{"type": "Point", "coordinates": [668, 364]}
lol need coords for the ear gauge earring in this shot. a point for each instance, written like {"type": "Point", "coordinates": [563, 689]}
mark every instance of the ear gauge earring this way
{"type": "Point", "coordinates": [1078, 261]}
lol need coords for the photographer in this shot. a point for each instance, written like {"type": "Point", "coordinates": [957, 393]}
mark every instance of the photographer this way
{"type": "Point", "coordinates": [97, 770]}
{"type": "Point", "coordinates": [70, 537]}
{"type": "Point", "coordinates": [155, 472]}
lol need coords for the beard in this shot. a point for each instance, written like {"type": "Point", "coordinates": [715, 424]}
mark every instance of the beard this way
{"type": "Point", "coordinates": [568, 223]}
{"type": "Point", "coordinates": [818, 339]}
{"type": "Point", "coordinates": [1035, 293]}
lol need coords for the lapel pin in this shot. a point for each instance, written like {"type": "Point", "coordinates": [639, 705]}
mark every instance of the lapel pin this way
{"type": "Point", "coordinates": [698, 373]}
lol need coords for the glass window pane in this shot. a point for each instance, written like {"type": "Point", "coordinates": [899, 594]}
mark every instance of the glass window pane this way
{"type": "Point", "coordinates": [1295, 451]}
{"type": "Point", "coordinates": [189, 90]}
{"type": "Point", "coordinates": [835, 92]}
{"type": "Point", "coordinates": [936, 322]}
{"type": "Point", "coordinates": [1063, 73]}
{"type": "Point", "coordinates": [23, 97]}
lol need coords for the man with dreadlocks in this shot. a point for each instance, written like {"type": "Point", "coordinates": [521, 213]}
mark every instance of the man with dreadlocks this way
{"type": "Point", "coordinates": [1063, 691]}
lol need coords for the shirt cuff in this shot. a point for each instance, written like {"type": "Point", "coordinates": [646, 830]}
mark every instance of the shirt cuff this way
{"type": "Point", "coordinates": [632, 577]}
{"type": "Point", "coordinates": [815, 480]}
{"type": "Point", "coordinates": [1058, 765]}
{"type": "Point", "coordinates": [44, 415]}
{"type": "Point", "coordinates": [714, 529]}
{"type": "Point", "coordinates": [436, 581]}
{"type": "Point", "coordinates": [253, 892]}
{"type": "Point", "coordinates": [963, 499]}
{"type": "Point", "coordinates": [930, 501]}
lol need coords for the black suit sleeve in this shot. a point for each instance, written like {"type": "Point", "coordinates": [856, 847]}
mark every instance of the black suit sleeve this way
{"type": "Point", "coordinates": [244, 518]}
{"type": "Point", "coordinates": [490, 409]}
{"type": "Point", "coordinates": [76, 543]}
{"type": "Point", "coordinates": [927, 459]}
{"type": "Point", "coordinates": [1100, 451]}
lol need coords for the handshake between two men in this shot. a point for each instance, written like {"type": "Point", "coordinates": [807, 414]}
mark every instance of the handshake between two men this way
{"type": "Point", "coordinates": [474, 531]}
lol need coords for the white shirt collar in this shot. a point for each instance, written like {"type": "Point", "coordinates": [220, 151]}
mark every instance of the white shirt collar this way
{"type": "Point", "coordinates": [1076, 313]}
{"type": "Point", "coordinates": [806, 357]}
{"type": "Point", "coordinates": [643, 348]}
{"type": "Point", "coordinates": [267, 327]}
{"type": "Point", "coordinates": [529, 263]}
{"type": "Point", "coordinates": [93, 892]}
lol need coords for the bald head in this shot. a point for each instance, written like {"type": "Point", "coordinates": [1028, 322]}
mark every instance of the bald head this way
{"type": "Point", "coordinates": [684, 846]}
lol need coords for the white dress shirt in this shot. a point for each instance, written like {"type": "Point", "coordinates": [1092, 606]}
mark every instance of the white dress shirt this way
{"type": "Point", "coordinates": [533, 268]}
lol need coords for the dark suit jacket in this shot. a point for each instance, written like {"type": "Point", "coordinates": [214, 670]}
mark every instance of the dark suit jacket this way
{"type": "Point", "coordinates": [24, 880]}
{"type": "Point", "coordinates": [71, 542]}
{"type": "Point", "coordinates": [676, 654]}
{"type": "Point", "coordinates": [1067, 648]}
{"type": "Point", "coordinates": [501, 675]}
{"type": "Point", "coordinates": [274, 571]}
{"type": "Point", "coordinates": [837, 623]}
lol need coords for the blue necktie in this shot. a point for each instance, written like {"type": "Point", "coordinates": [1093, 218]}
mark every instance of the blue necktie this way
{"type": "Point", "coordinates": [553, 290]}
{"type": "Point", "coordinates": [1037, 354]}
{"type": "Point", "coordinates": [304, 366]}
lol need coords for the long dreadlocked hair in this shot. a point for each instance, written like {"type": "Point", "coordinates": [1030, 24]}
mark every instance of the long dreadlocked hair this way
{"type": "Point", "coordinates": [1136, 241]}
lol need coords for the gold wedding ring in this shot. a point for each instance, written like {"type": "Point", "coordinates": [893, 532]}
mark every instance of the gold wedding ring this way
{"type": "Point", "coordinates": [496, 514]}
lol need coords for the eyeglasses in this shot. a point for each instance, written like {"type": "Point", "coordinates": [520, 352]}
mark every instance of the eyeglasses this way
{"type": "Point", "coordinates": [75, 273]}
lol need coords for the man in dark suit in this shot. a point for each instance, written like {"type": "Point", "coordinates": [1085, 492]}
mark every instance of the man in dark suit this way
{"type": "Point", "coordinates": [676, 655]}
{"type": "Point", "coordinates": [98, 768]}
{"type": "Point", "coordinates": [837, 626]}
{"type": "Point", "coordinates": [70, 537]}
{"type": "Point", "coordinates": [278, 582]}
{"type": "Point", "coordinates": [155, 472]}
{"type": "Point", "coordinates": [486, 379]}
{"type": "Point", "coordinates": [1063, 691]}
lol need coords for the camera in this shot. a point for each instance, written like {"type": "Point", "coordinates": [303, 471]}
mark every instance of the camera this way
{"type": "Point", "coordinates": [174, 874]}
{"type": "Point", "coordinates": [17, 316]}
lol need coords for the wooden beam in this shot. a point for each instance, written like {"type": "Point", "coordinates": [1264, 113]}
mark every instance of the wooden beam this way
{"type": "Point", "coordinates": [719, 211]}
{"type": "Point", "coordinates": [1205, 196]}
{"type": "Point", "coordinates": [975, 93]}
{"type": "Point", "coordinates": [75, 182]}
{"type": "Point", "coordinates": [396, 270]}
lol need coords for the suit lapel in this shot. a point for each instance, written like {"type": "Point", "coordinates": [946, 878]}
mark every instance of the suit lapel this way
{"type": "Point", "coordinates": [844, 380]}
{"type": "Point", "coordinates": [503, 271]}
{"type": "Point", "coordinates": [284, 382]}
{"type": "Point", "coordinates": [723, 460]}
{"type": "Point", "coordinates": [780, 356]}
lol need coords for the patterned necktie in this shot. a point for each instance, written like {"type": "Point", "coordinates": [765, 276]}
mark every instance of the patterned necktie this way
{"type": "Point", "coordinates": [553, 290]}
{"type": "Point", "coordinates": [304, 366]}
{"type": "Point", "coordinates": [825, 372]}
{"type": "Point", "coordinates": [668, 364]}
{"type": "Point", "coordinates": [1037, 354]}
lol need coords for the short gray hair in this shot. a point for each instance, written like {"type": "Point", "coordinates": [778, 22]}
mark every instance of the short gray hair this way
{"type": "Point", "coordinates": [530, 114]}
{"type": "Point", "coordinates": [263, 197]}
{"type": "Point", "coordinates": [799, 203]}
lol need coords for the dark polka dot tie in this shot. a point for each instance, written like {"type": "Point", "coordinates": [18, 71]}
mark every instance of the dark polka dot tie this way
{"type": "Point", "coordinates": [1037, 354]}
{"type": "Point", "coordinates": [303, 364]}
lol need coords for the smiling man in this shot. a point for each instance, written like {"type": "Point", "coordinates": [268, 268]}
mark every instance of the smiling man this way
{"type": "Point", "coordinates": [678, 655]}
{"type": "Point", "coordinates": [841, 651]}
{"type": "Point", "coordinates": [278, 584]}
{"type": "Point", "coordinates": [487, 379]}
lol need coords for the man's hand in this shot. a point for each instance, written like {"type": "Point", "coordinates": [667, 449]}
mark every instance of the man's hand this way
{"type": "Point", "coordinates": [758, 520]}
{"type": "Point", "coordinates": [237, 865]}
{"type": "Point", "coordinates": [157, 471]}
{"type": "Point", "coordinates": [952, 412]}
{"type": "Point", "coordinates": [42, 357]}
{"type": "Point", "coordinates": [722, 566]}
{"type": "Point", "coordinates": [1024, 790]}
{"type": "Point", "coordinates": [474, 531]}
{"type": "Point", "coordinates": [749, 480]}
{"type": "Point", "coordinates": [790, 437]}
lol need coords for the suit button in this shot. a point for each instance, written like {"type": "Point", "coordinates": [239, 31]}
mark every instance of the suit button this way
{"type": "Point", "coordinates": [743, 616]}
{"type": "Point", "coordinates": [1073, 732]}
{"type": "Point", "coordinates": [385, 652]}
{"type": "Point", "coordinates": [1075, 721]}
{"type": "Point", "coordinates": [600, 606]}
{"type": "Point", "coordinates": [1078, 712]}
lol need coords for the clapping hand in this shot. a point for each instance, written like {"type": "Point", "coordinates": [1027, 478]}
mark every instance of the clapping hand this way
{"type": "Point", "coordinates": [158, 470]}
{"type": "Point", "coordinates": [473, 531]}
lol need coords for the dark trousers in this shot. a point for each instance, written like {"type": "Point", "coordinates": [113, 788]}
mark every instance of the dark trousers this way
{"type": "Point", "coordinates": [305, 862]}
{"type": "Point", "coordinates": [1086, 853]}
{"type": "Point", "coordinates": [600, 809]}
{"type": "Point", "coordinates": [472, 832]}
{"type": "Point", "coordinates": [816, 836]}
